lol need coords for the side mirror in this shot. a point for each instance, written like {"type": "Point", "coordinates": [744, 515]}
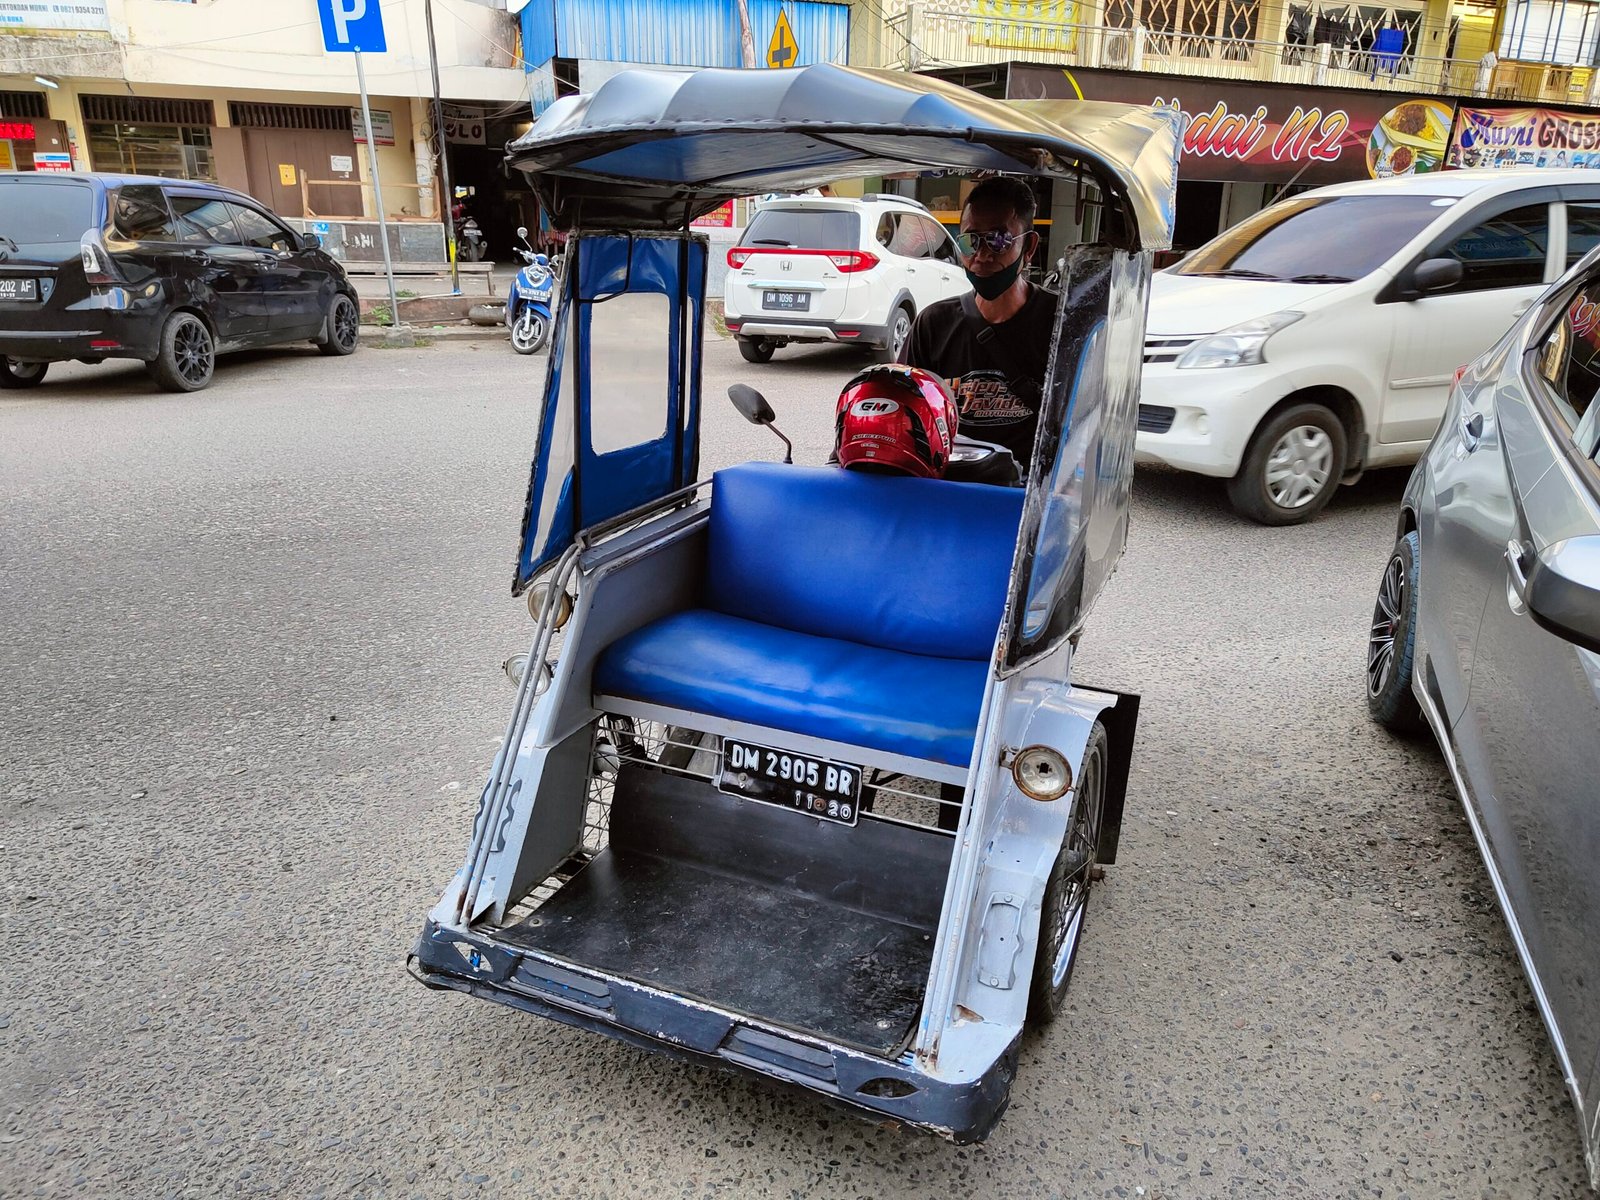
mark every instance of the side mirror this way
{"type": "Point", "coordinates": [753, 407]}
{"type": "Point", "coordinates": [1563, 589]}
{"type": "Point", "coordinates": [1436, 274]}
{"type": "Point", "coordinates": [310, 241]}
{"type": "Point", "coordinates": [522, 232]}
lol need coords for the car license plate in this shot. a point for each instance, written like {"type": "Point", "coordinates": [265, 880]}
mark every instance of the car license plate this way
{"type": "Point", "coordinates": [789, 301]}
{"type": "Point", "coordinates": [825, 789]}
{"type": "Point", "coordinates": [19, 289]}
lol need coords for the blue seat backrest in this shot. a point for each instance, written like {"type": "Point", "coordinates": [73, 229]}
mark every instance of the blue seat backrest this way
{"type": "Point", "coordinates": [918, 565]}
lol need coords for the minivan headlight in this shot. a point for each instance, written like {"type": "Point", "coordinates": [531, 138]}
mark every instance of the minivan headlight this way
{"type": "Point", "coordinates": [1240, 346]}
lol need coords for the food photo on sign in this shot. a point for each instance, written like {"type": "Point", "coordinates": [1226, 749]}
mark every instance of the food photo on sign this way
{"type": "Point", "coordinates": [1409, 139]}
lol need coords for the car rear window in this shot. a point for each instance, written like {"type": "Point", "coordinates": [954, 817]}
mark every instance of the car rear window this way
{"type": "Point", "coordinates": [804, 228]}
{"type": "Point", "coordinates": [44, 214]}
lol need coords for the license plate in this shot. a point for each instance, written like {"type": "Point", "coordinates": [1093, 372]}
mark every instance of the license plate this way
{"type": "Point", "coordinates": [19, 289]}
{"type": "Point", "coordinates": [790, 301]}
{"type": "Point", "coordinates": [830, 790]}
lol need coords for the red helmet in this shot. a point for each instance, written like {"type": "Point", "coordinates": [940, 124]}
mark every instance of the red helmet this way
{"type": "Point", "coordinates": [899, 420]}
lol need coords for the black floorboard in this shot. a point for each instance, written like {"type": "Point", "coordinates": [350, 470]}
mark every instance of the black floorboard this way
{"type": "Point", "coordinates": [785, 957]}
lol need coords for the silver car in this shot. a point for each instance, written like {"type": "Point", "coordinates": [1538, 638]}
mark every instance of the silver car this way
{"type": "Point", "coordinates": [1487, 630]}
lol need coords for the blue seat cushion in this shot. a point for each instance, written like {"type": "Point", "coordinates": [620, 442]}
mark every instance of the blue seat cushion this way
{"type": "Point", "coordinates": [725, 666]}
{"type": "Point", "coordinates": [918, 565]}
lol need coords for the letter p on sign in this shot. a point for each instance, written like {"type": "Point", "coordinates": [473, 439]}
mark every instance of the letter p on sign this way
{"type": "Point", "coordinates": [349, 25]}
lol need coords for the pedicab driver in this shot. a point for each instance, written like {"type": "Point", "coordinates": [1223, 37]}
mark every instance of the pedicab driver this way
{"type": "Point", "coordinates": [992, 345]}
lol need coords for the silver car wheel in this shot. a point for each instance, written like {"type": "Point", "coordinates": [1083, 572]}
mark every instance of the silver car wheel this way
{"type": "Point", "coordinates": [900, 332]}
{"type": "Point", "coordinates": [1385, 619]}
{"type": "Point", "coordinates": [1298, 466]}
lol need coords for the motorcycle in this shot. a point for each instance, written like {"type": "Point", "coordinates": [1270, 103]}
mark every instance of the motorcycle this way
{"type": "Point", "coordinates": [468, 237]}
{"type": "Point", "coordinates": [528, 305]}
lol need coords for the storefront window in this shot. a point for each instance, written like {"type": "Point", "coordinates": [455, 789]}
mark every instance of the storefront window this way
{"type": "Point", "coordinates": [173, 151]}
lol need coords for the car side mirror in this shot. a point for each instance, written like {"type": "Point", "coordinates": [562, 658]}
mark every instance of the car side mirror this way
{"type": "Point", "coordinates": [1436, 274]}
{"type": "Point", "coordinates": [753, 407]}
{"type": "Point", "coordinates": [1563, 590]}
{"type": "Point", "coordinates": [310, 241]}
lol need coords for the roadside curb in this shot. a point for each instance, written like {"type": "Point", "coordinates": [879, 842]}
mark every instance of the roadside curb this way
{"type": "Point", "coordinates": [409, 335]}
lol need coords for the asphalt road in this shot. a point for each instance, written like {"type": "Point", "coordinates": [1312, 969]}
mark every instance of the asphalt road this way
{"type": "Point", "coordinates": [249, 689]}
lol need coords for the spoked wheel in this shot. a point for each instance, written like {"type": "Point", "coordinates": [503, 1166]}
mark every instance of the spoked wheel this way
{"type": "Point", "coordinates": [344, 327]}
{"type": "Point", "coordinates": [1391, 644]}
{"type": "Point", "coordinates": [14, 374]}
{"type": "Point", "coordinates": [188, 356]}
{"type": "Point", "coordinates": [529, 331]}
{"type": "Point", "coordinates": [1066, 896]}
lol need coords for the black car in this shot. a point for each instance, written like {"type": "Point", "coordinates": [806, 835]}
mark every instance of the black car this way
{"type": "Point", "coordinates": [170, 272]}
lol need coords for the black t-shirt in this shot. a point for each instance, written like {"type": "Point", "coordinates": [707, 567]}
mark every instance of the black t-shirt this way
{"type": "Point", "coordinates": [998, 381]}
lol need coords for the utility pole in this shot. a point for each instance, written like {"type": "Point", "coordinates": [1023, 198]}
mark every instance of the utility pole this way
{"type": "Point", "coordinates": [447, 201]}
{"type": "Point", "coordinates": [747, 41]}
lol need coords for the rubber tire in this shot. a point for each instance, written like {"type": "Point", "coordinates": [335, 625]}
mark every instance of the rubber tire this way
{"type": "Point", "coordinates": [1395, 705]}
{"type": "Point", "coordinates": [541, 337]}
{"type": "Point", "coordinates": [474, 251]}
{"type": "Point", "coordinates": [164, 367]}
{"type": "Point", "coordinates": [338, 306]}
{"type": "Point", "coordinates": [891, 353]}
{"type": "Point", "coordinates": [756, 350]}
{"type": "Point", "coordinates": [1046, 999]}
{"type": "Point", "coordinates": [1248, 489]}
{"type": "Point", "coordinates": [33, 374]}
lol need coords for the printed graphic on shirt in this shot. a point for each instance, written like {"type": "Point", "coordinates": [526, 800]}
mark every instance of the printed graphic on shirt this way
{"type": "Point", "coordinates": [986, 398]}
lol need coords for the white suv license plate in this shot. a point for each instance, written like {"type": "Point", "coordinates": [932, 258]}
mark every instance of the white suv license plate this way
{"type": "Point", "coordinates": [788, 301]}
{"type": "Point", "coordinates": [825, 789]}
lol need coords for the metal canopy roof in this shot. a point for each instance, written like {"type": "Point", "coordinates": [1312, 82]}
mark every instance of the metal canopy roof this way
{"type": "Point", "coordinates": [653, 149]}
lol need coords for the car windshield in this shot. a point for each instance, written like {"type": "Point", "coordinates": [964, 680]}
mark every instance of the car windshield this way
{"type": "Point", "coordinates": [1316, 239]}
{"type": "Point", "coordinates": [804, 228]}
{"type": "Point", "coordinates": [44, 214]}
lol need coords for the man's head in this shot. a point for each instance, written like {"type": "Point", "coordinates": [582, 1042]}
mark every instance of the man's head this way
{"type": "Point", "coordinates": [1001, 205]}
{"type": "Point", "coordinates": [997, 234]}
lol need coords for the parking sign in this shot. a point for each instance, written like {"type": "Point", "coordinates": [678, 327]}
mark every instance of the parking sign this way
{"type": "Point", "coordinates": [350, 25]}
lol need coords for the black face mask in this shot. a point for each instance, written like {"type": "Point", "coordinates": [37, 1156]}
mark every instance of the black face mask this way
{"type": "Point", "coordinates": [992, 287]}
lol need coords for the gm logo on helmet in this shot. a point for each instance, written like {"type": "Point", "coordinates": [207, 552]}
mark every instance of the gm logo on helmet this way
{"type": "Point", "coordinates": [873, 408]}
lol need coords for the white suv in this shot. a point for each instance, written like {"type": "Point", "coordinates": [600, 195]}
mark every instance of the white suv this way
{"type": "Point", "coordinates": [1320, 336]}
{"type": "Point", "coordinates": [837, 270]}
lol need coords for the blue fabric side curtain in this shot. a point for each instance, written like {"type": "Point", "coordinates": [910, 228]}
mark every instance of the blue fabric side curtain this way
{"type": "Point", "coordinates": [1387, 48]}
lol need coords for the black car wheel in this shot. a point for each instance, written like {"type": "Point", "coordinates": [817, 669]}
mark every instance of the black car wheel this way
{"type": "Point", "coordinates": [899, 334]}
{"type": "Point", "coordinates": [14, 374]}
{"type": "Point", "coordinates": [344, 327]}
{"type": "Point", "coordinates": [1392, 642]}
{"type": "Point", "coordinates": [756, 350]}
{"type": "Point", "coordinates": [1066, 895]}
{"type": "Point", "coordinates": [1292, 468]}
{"type": "Point", "coordinates": [188, 355]}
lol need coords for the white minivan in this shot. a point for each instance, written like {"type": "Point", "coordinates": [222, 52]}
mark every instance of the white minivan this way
{"type": "Point", "coordinates": [1320, 336]}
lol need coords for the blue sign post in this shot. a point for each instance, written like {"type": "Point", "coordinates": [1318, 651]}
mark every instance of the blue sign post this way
{"type": "Point", "coordinates": [349, 27]}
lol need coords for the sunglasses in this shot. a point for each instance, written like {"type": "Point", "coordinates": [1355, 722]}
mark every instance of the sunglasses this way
{"type": "Point", "coordinates": [996, 241]}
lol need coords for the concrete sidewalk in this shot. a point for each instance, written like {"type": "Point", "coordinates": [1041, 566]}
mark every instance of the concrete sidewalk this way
{"type": "Point", "coordinates": [406, 335]}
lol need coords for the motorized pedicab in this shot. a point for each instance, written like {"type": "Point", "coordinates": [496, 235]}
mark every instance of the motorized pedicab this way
{"type": "Point", "coordinates": [713, 829]}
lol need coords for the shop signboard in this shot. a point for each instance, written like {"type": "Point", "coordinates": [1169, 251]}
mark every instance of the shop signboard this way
{"type": "Point", "coordinates": [1026, 24]}
{"type": "Point", "coordinates": [720, 217]}
{"type": "Point", "coordinates": [382, 126]}
{"type": "Point", "coordinates": [1267, 133]}
{"type": "Point", "coordinates": [8, 158]}
{"type": "Point", "coordinates": [1524, 137]}
{"type": "Point", "coordinates": [17, 131]}
{"type": "Point", "coordinates": [26, 15]}
{"type": "Point", "coordinates": [465, 126]}
{"type": "Point", "coordinates": [52, 162]}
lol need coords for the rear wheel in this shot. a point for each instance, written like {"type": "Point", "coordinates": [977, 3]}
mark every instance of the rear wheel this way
{"type": "Point", "coordinates": [344, 327]}
{"type": "Point", "coordinates": [899, 335]}
{"type": "Point", "coordinates": [187, 357]}
{"type": "Point", "coordinates": [14, 374]}
{"type": "Point", "coordinates": [1066, 895]}
{"type": "Point", "coordinates": [756, 350]}
{"type": "Point", "coordinates": [1292, 468]}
